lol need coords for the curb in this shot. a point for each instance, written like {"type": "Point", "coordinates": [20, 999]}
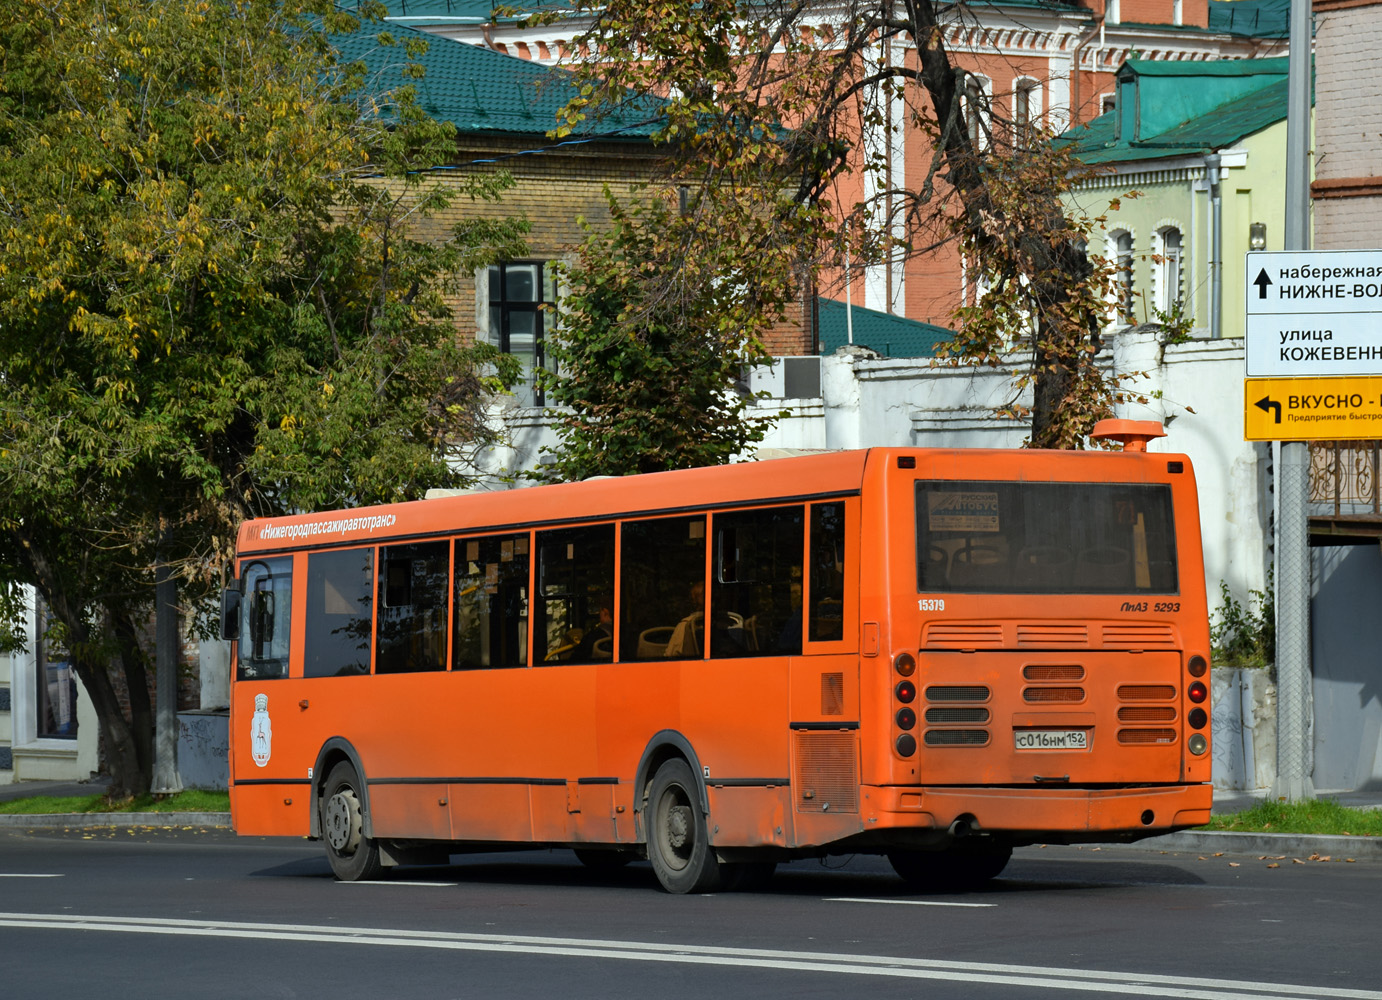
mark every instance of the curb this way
{"type": "Point", "coordinates": [96, 821]}
{"type": "Point", "coordinates": [1185, 842]}
{"type": "Point", "coordinates": [1289, 844]}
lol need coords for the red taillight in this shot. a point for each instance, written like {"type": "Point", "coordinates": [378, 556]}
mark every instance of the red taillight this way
{"type": "Point", "coordinates": [1197, 692]}
{"type": "Point", "coordinates": [906, 692]}
{"type": "Point", "coordinates": [906, 718]}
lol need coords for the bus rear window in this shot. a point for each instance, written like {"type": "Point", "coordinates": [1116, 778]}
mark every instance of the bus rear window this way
{"type": "Point", "coordinates": [1045, 538]}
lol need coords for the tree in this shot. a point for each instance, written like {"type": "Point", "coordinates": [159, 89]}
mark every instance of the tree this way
{"type": "Point", "coordinates": [790, 97]}
{"type": "Point", "coordinates": [653, 345]}
{"type": "Point", "coordinates": [212, 304]}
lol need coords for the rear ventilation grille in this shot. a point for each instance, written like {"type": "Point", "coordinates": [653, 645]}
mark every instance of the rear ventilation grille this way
{"type": "Point", "coordinates": [1140, 636]}
{"type": "Point", "coordinates": [1145, 715]}
{"type": "Point", "coordinates": [1147, 737]}
{"type": "Point", "coordinates": [956, 716]}
{"type": "Point", "coordinates": [946, 713]}
{"type": "Point", "coordinates": [1146, 692]}
{"type": "Point", "coordinates": [975, 693]}
{"type": "Point", "coordinates": [957, 737]}
{"type": "Point", "coordinates": [952, 635]}
{"type": "Point", "coordinates": [1053, 672]}
{"type": "Point", "coordinates": [1047, 695]}
{"type": "Point", "coordinates": [826, 777]}
{"type": "Point", "coordinates": [1052, 635]}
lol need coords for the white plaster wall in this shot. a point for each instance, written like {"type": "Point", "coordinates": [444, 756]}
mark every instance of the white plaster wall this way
{"type": "Point", "coordinates": [1196, 389]}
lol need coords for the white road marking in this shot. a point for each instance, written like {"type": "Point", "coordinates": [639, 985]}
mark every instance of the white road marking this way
{"type": "Point", "coordinates": [394, 881]}
{"type": "Point", "coordinates": [906, 902]}
{"type": "Point", "coordinates": [1080, 980]}
{"type": "Point", "coordinates": [30, 875]}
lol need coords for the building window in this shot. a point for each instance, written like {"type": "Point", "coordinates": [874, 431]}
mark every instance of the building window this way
{"type": "Point", "coordinates": [517, 318]}
{"type": "Point", "coordinates": [1122, 268]}
{"type": "Point", "coordinates": [976, 112]}
{"type": "Point", "coordinates": [1026, 110]}
{"type": "Point", "coordinates": [55, 686]}
{"type": "Point", "coordinates": [1169, 291]}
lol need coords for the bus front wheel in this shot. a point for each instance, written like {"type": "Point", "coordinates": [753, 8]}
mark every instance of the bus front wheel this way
{"type": "Point", "coordinates": [353, 856]}
{"type": "Point", "coordinates": [678, 840]}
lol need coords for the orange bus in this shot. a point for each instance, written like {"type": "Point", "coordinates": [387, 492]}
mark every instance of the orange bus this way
{"type": "Point", "coordinates": [934, 655]}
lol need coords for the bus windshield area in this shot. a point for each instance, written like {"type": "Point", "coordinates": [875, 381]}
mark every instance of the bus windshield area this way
{"type": "Point", "coordinates": [1045, 538]}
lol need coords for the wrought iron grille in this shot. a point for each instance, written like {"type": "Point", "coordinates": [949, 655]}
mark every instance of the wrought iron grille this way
{"type": "Point", "coordinates": [1344, 476]}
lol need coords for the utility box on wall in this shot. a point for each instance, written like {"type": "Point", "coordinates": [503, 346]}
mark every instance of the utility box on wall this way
{"type": "Point", "coordinates": [204, 749]}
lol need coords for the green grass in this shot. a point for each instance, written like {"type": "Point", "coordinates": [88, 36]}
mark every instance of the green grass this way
{"type": "Point", "coordinates": [1319, 816]}
{"type": "Point", "coordinates": [190, 801]}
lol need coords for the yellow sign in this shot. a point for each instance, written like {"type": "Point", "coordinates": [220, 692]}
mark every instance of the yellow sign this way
{"type": "Point", "coordinates": [1342, 408]}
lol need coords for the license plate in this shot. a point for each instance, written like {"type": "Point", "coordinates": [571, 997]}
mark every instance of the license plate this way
{"type": "Point", "coordinates": [1051, 739]}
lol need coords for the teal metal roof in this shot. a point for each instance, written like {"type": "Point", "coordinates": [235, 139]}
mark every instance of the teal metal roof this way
{"type": "Point", "coordinates": [889, 335]}
{"type": "Point", "coordinates": [1198, 107]}
{"type": "Point", "coordinates": [481, 91]}
{"type": "Point", "coordinates": [1256, 18]}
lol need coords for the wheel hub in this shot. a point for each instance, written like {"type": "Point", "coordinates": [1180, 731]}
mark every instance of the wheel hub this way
{"type": "Point", "coordinates": [678, 826]}
{"type": "Point", "coordinates": [341, 822]}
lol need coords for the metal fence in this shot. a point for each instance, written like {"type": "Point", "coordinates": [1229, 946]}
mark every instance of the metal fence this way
{"type": "Point", "coordinates": [1344, 478]}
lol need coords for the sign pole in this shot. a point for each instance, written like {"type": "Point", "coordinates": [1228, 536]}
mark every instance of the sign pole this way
{"type": "Point", "coordinates": [1294, 715]}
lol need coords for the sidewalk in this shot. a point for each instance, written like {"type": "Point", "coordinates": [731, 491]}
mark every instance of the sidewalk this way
{"type": "Point", "coordinates": [82, 821]}
{"type": "Point", "coordinates": [1190, 841]}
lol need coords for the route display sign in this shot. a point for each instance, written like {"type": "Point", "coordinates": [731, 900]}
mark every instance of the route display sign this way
{"type": "Point", "coordinates": [1314, 312]}
{"type": "Point", "coordinates": [1312, 409]}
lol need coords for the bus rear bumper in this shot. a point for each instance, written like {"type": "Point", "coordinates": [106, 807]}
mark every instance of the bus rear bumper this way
{"type": "Point", "coordinates": [1052, 815]}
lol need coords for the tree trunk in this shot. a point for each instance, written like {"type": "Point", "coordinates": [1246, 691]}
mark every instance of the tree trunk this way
{"type": "Point", "coordinates": [127, 754]}
{"type": "Point", "coordinates": [134, 666]}
{"type": "Point", "coordinates": [166, 656]}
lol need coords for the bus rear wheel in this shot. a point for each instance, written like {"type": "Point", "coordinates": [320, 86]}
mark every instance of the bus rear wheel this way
{"type": "Point", "coordinates": [678, 841]}
{"type": "Point", "coordinates": [353, 856]}
{"type": "Point", "coordinates": [957, 868]}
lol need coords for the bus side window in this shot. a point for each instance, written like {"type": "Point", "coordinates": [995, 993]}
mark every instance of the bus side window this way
{"type": "Point", "coordinates": [265, 619]}
{"type": "Point", "coordinates": [340, 587]}
{"type": "Point", "coordinates": [491, 587]}
{"type": "Point", "coordinates": [755, 598]}
{"type": "Point", "coordinates": [662, 589]}
{"type": "Point", "coordinates": [412, 619]}
{"type": "Point", "coordinates": [575, 570]}
{"type": "Point", "coordinates": [827, 572]}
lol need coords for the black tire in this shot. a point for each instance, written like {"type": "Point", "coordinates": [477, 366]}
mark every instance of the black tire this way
{"type": "Point", "coordinates": [951, 870]}
{"type": "Point", "coordinates": [353, 856]}
{"type": "Point", "coordinates": [678, 839]}
{"type": "Point", "coordinates": [598, 860]}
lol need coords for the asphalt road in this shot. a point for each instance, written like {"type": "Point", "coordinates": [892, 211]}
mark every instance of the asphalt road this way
{"type": "Point", "coordinates": [137, 913]}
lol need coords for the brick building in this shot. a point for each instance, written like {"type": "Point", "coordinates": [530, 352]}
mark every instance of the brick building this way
{"type": "Point", "coordinates": [1052, 60]}
{"type": "Point", "coordinates": [1347, 190]}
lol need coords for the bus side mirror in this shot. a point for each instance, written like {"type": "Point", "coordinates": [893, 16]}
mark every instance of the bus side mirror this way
{"type": "Point", "coordinates": [230, 613]}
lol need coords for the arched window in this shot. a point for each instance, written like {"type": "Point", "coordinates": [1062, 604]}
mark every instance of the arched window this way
{"type": "Point", "coordinates": [1122, 263]}
{"type": "Point", "coordinates": [976, 111]}
{"type": "Point", "coordinates": [1026, 112]}
{"type": "Point", "coordinates": [1169, 270]}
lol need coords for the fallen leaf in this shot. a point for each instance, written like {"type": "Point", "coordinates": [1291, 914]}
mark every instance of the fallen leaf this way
{"type": "Point", "coordinates": [1233, 864]}
{"type": "Point", "coordinates": [1297, 861]}
{"type": "Point", "coordinates": [1273, 865]}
